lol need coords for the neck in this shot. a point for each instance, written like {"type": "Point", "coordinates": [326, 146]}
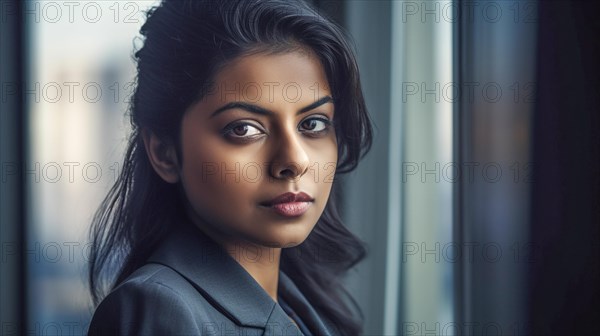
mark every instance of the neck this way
{"type": "Point", "coordinates": [261, 262]}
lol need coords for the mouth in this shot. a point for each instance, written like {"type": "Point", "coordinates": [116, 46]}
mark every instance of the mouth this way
{"type": "Point", "coordinates": [290, 204]}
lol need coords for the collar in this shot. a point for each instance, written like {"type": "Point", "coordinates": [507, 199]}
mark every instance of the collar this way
{"type": "Point", "coordinates": [228, 286]}
{"type": "Point", "coordinates": [300, 305]}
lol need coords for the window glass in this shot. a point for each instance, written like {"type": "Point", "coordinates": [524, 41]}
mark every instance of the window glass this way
{"type": "Point", "coordinates": [80, 71]}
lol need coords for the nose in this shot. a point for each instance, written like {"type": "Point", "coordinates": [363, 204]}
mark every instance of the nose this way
{"type": "Point", "coordinates": [291, 160]}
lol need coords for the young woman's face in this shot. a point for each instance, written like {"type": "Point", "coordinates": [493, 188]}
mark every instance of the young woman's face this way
{"type": "Point", "coordinates": [262, 131]}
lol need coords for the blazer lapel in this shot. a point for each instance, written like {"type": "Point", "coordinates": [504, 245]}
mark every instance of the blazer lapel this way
{"type": "Point", "coordinates": [292, 295]}
{"type": "Point", "coordinates": [222, 280]}
{"type": "Point", "coordinates": [279, 323]}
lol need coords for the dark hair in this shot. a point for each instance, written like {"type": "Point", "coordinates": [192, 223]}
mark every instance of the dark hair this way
{"type": "Point", "coordinates": [186, 43]}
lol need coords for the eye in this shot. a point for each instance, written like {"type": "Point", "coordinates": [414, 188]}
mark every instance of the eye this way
{"type": "Point", "coordinates": [316, 125]}
{"type": "Point", "coordinates": [242, 131]}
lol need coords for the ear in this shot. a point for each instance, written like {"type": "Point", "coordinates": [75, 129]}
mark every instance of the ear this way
{"type": "Point", "coordinates": [162, 156]}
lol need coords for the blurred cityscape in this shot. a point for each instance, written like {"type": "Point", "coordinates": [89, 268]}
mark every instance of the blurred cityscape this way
{"type": "Point", "coordinates": [80, 78]}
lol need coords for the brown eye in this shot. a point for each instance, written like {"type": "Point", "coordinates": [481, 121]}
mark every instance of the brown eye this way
{"type": "Point", "coordinates": [310, 124]}
{"type": "Point", "coordinates": [242, 131]}
{"type": "Point", "coordinates": [315, 125]}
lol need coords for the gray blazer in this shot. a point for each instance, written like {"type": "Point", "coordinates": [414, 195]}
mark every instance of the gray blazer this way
{"type": "Point", "coordinates": [191, 286]}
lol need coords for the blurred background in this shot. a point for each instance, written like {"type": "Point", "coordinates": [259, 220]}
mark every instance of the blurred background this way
{"type": "Point", "coordinates": [479, 200]}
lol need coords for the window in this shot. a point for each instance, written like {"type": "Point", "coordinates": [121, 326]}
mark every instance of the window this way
{"type": "Point", "coordinates": [79, 79]}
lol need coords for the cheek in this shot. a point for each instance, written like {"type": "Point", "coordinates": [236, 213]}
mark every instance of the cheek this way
{"type": "Point", "coordinates": [324, 156]}
{"type": "Point", "coordinates": [200, 174]}
{"type": "Point", "coordinates": [322, 170]}
{"type": "Point", "coordinates": [216, 183]}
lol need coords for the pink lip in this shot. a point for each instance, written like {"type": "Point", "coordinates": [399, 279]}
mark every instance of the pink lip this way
{"type": "Point", "coordinates": [289, 197]}
{"type": "Point", "coordinates": [291, 209]}
{"type": "Point", "coordinates": [290, 204]}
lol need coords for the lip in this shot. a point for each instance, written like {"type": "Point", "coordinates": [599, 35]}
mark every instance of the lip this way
{"type": "Point", "coordinates": [291, 209]}
{"type": "Point", "coordinates": [289, 197]}
{"type": "Point", "coordinates": [290, 204]}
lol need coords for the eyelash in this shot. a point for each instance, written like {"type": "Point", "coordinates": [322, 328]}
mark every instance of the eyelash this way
{"type": "Point", "coordinates": [229, 129]}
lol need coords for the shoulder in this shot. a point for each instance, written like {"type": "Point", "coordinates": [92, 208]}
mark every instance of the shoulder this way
{"type": "Point", "coordinates": [154, 300]}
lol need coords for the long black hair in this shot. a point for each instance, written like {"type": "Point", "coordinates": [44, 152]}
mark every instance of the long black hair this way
{"type": "Point", "coordinates": [186, 43]}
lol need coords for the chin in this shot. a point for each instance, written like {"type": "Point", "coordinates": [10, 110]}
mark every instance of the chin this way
{"type": "Point", "coordinates": [287, 235]}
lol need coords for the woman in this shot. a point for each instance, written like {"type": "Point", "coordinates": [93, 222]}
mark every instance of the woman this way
{"type": "Point", "coordinates": [223, 220]}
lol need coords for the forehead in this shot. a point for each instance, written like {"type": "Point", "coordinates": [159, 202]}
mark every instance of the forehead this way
{"type": "Point", "coordinates": [277, 71]}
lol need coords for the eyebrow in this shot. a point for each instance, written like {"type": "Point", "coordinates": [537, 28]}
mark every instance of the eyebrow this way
{"type": "Point", "coordinates": [259, 110]}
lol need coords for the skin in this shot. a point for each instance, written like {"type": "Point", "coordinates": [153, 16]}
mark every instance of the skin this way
{"type": "Point", "coordinates": [227, 173]}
